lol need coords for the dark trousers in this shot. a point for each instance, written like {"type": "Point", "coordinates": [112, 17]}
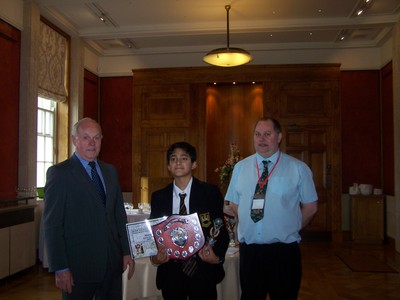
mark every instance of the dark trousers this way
{"type": "Point", "coordinates": [270, 269]}
{"type": "Point", "coordinates": [178, 286]}
{"type": "Point", "coordinates": [108, 289]}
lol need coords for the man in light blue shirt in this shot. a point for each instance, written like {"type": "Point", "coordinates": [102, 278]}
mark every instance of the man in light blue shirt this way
{"type": "Point", "coordinates": [272, 205]}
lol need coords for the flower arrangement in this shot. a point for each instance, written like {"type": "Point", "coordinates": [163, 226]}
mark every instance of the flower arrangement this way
{"type": "Point", "coordinates": [225, 170]}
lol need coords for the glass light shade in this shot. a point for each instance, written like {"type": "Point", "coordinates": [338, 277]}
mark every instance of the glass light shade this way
{"type": "Point", "coordinates": [227, 57]}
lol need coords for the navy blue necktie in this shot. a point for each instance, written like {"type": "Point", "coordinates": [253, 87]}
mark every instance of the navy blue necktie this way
{"type": "Point", "coordinates": [97, 181]}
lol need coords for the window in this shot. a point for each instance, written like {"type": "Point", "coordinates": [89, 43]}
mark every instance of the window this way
{"type": "Point", "coordinates": [45, 138]}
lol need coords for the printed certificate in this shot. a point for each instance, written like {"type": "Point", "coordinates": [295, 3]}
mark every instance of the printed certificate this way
{"type": "Point", "coordinates": [141, 240]}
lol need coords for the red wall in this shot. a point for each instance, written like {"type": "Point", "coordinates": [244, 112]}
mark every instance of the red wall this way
{"type": "Point", "coordinates": [361, 128]}
{"type": "Point", "coordinates": [116, 121]}
{"type": "Point", "coordinates": [387, 130]}
{"type": "Point", "coordinates": [10, 43]}
{"type": "Point", "coordinates": [91, 95]}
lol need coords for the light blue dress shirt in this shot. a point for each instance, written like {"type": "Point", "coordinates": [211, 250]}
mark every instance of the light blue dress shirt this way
{"type": "Point", "coordinates": [88, 169]}
{"type": "Point", "coordinates": [290, 184]}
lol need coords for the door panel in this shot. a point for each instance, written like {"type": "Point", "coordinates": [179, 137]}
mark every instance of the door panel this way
{"type": "Point", "coordinates": [154, 154]}
{"type": "Point", "coordinates": [309, 144]}
{"type": "Point", "coordinates": [162, 116]}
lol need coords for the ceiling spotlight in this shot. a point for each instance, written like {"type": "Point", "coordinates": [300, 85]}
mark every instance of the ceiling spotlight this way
{"type": "Point", "coordinates": [101, 14]}
{"type": "Point", "coordinates": [362, 8]}
{"type": "Point", "coordinates": [227, 57]}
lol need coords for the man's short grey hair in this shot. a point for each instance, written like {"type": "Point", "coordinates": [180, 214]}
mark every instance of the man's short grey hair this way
{"type": "Point", "coordinates": [75, 128]}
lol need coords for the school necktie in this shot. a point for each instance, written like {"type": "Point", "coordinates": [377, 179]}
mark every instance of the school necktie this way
{"type": "Point", "coordinates": [97, 182]}
{"type": "Point", "coordinates": [188, 266]}
{"type": "Point", "coordinates": [182, 206]}
{"type": "Point", "coordinates": [258, 214]}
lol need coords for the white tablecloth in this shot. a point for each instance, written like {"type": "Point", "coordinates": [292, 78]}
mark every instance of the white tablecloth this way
{"type": "Point", "coordinates": [133, 215]}
{"type": "Point", "coordinates": [143, 283]}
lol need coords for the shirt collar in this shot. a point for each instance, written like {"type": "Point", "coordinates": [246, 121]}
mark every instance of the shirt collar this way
{"type": "Point", "coordinates": [273, 158]}
{"type": "Point", "coordinates": [178, 191]}
{"type": "Point", "coordinates": [84, 162]}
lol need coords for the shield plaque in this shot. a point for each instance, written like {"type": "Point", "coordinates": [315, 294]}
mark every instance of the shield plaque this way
{"type": "Point", "coordinates": [181, 235]}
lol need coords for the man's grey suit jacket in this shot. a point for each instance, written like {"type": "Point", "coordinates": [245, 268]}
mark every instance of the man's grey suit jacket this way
{"type": "Point", "coordinates": [80, 233]}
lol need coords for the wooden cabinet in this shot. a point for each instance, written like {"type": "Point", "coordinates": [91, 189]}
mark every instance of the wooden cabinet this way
{"type": "Point", "coordinates": [17, 239]}
{"type": "Point", "coordinates": [4, 252]}
{"type": "Point", "coordinates": [368, 219]}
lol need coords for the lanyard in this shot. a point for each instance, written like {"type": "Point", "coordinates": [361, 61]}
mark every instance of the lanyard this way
{"type": "Point", "coordinates": [261, 184]}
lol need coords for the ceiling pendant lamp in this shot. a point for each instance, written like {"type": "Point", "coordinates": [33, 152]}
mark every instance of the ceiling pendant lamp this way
{"type": "Point", "coordinates": [227, 57]}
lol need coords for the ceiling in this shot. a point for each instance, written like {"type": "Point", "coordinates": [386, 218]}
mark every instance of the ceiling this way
{"type": "Point", "coordinates": [189, 26]}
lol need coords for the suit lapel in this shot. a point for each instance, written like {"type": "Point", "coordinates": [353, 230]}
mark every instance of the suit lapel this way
{"type": "Point", "coordinates": [195, 196]}
{"type": "Point", "coordinates": [169, 196]}
{"type": "Point", "coordinates": [79, 172]}
{"type": "Point", "coordinates": [106, 175]}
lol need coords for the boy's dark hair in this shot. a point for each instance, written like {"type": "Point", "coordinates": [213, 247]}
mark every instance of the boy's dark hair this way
{"type": "Point", "coordinates": [189, 149]}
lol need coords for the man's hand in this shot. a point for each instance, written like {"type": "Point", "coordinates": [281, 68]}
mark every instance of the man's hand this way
{"type": "Point", "coordinates": [129, 262]}
{"type": "Point", "coordinates": [161, 257]}
{"type": "Point", "coordinates": [65, 281]}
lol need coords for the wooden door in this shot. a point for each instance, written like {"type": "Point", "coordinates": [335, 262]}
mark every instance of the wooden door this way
{"type": "Point", "coordinates": [163, 115]}
{"type": "Point", "coordinates": [309, 114]}
{"type": "Point", "coordinates": [311, 145]}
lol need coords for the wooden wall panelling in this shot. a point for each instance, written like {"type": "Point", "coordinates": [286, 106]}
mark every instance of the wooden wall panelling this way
{"type": "Point", "coordinates": [303, 95]}
{"type": "Point", "coordinates": [309, 114]}
{"type": "Point", "coordinates": [232, 111]}
{"type": "Point", "coordinates": [155, 144]}
{"type": "Point", "coordinates": [310, 144]}
{"type": "Point", "coordinates": [163, 114]}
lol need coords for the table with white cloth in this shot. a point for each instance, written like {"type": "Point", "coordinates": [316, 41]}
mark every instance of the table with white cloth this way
{"type": "Point", "coordinates": [143, 283]}
{"type": "Point", "coordinates": [136, 215]}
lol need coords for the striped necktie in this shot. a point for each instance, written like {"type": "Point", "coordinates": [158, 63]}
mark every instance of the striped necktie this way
{"type": "Point", "coordinates": [182, 206]}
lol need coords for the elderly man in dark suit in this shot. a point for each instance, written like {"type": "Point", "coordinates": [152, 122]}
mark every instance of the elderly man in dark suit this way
{"type": "Point", "coordinates": [198, 197]}
{"type": "Point", "coordinates": [84, 221]}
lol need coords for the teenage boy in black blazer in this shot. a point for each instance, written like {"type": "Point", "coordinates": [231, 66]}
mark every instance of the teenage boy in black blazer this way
{"type": "Point", "coordinates": [204, 199]}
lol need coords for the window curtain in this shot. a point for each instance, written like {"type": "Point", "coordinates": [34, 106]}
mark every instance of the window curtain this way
{"type": "Point", "coordinates": [53, 56]}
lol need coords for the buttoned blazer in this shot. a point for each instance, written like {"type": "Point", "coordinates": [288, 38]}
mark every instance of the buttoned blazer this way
{"type": "Point", "coordinates": [80, 233]}
{"type": "Point", "coordinates": [206, 200]}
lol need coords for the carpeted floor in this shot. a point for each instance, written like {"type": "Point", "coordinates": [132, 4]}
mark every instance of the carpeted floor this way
{"type": "Point", "coordinates": [360, 262]}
